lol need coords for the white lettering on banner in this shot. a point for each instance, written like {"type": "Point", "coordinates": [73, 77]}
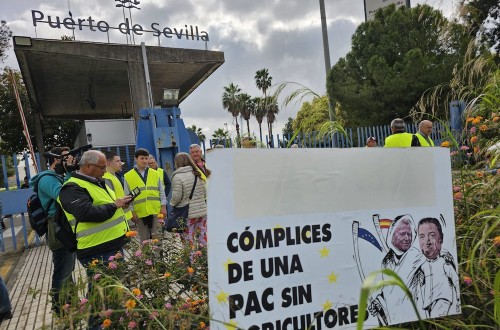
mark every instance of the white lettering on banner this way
{"type": "Point", "coordinates": [293, 233]}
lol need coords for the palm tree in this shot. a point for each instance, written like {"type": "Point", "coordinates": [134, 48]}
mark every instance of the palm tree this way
{"type": "Point", "coordinates": [219, 135]}
{"type": "Point", "coordinates": [230, 102]}
{"type": "Point", "coordinates": [198, 132]}
{"type": "Point", "coordinates": [246, 108]}
{"type": "Point", "coordinates": [272, 111]}
{"type": "Point", "coordinates": [263, 82]}
{"type": "Point", "coordinates": [259, 112]}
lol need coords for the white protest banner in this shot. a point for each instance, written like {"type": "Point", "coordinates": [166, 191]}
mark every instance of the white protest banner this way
{"type": "Point", "coordinates": [292, 233]}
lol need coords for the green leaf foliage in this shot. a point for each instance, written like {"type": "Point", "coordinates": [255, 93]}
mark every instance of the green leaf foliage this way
{"type": "Point", "coordinates": [394, 59]}
{"type": "Point", "coordinates": [312, 115]}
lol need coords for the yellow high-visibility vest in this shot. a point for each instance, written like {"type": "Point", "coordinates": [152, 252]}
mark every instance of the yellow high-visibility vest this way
{"type": "Point", "coordinates": [424, 142]}
{"type": "Point", "coordinates": [117, 188]}
{"type": "Point", "coordinates": [89, 234]}
{"type": "Point", "coordinates": [148, 202]}
{"type": "Point", "coordinates": [398, 140]}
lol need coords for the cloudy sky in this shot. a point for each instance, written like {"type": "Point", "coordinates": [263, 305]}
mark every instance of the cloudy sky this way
{"type": "Point", "coordinates": [281, 35]}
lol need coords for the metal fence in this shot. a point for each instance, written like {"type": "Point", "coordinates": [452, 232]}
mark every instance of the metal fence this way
{"type": "Point", "coordinates": [354, 137]}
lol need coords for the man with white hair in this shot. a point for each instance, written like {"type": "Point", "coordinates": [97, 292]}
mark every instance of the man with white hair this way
{"type": "Point", "coordinates": [423, 135]}
{"type": "Point", "coordinates": [196, 155]}
{"type": "Point", "coordinates": [399, 137]}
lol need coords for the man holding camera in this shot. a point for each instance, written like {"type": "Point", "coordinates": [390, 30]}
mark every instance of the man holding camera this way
{"type": "Point", "coordinates": [47, 185]}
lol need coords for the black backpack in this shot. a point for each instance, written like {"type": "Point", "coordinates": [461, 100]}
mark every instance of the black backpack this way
{"type": "Point", "coordinates": [36, 213]}
{"type": "Point", "coordinates": [63, 230]}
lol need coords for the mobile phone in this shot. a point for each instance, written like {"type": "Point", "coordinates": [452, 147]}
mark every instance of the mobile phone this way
{"type": "Point", "coordinates": [135, 192]}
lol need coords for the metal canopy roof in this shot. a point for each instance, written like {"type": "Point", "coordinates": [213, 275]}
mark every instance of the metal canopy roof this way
{"type": "Point", "coordinates": [83, 80]}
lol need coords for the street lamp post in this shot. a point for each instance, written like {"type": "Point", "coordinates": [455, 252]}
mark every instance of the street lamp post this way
{"type": "Point", "coordinates": [326, 48]}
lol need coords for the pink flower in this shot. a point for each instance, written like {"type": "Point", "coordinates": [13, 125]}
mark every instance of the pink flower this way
{"type": "Point", "coordinates": [112, 265]}
{"type": "Point", "coordinates": [197, 253]}
{"type": "Point", "coordinates": [467, 280]}
{"type": "Point", "coordinates": [97, 276]}
{"type": "Point", "coordinates": [108, 313]}
{"type": "Point", "coordinates": [149, 262]}
{"type": "Point", "coordinates": [458, 196]}
{"type": "Point", "coordinates": [469, 154]}
{"type": "Point", "coordinates": [456, 189]}
{"type": "Point", "coordinates": [464, 148]}
{"type": "Point", "coordinates": [111, 258]}
{"type": "Point", "coordinates": [118, 255]}
{"type": "Point", "coordinates": [153, 315]}
{"type": "Point", "coordinates": [66, 307]}
{"type": "Point", "coordinates": [83, 301]}
{"type": "Point", "coordinates": [132, 325]}
{"type": "Point", "coordinates": [473, 129]}
{"type": "Point", "coordinates": [168, 306]}
{"type": "Point", "coordinates": [453, 153]}
{"type": "Point", "coordinates": [138, 253]}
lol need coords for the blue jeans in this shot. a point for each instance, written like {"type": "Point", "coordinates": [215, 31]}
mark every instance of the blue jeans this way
{"type": "Point", "coordinates": [64, 264]}
{"type": "Point", "coordinates": [4, 298]}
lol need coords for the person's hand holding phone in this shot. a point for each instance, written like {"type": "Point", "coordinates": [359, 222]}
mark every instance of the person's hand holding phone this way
{"type": "Point", "coordinates": [123, 201]}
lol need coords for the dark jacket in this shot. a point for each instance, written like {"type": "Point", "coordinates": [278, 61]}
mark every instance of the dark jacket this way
{"type": "Point", "coordinates": [77, 201]}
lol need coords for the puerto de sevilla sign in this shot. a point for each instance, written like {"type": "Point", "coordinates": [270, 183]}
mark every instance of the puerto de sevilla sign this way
{"type": "Point", "coordinates": [187, 32]}
{"type": "Point", "coordinates": [292, 233]}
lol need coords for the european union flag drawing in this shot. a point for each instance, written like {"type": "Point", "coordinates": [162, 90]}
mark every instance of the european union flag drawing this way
{"type": "Point", "coordinates": [367, 236]}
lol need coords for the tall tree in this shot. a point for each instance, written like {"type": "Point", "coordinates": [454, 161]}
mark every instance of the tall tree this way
{"type": "Point", "coordinates": [56, 132]}
{"type": "Point", "coordinates": [312, 115]}
{"type": "Point", "coordinates": [198, 131]}
{"type": "Point", "coordinates": [263, 82]}
{"type": "Point", "coordinates": [230, 102]}
{"type": "Point", "coordinates": [246, 108]}
{"type": "Point", "coordinates": [259, 113]}
{"type": "Point", "coordinates": [272, 111]}
{"type": "Point", "coordinates": [483, 19]}
{"type": "Point", "coordinates": [5, 35]}
{"type": "Point", "coordinates": [393, 60]}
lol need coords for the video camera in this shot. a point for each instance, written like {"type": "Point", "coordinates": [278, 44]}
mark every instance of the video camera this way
{"type": "Point", "coordinates": [63, 166]}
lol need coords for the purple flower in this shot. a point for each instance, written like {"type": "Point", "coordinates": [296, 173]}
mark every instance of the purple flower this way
{"type": "Point", "coordinates": [473, 129]}
{"type": "Point", "coordinates": [111, 258]}
{"type": "Point", "coordinates": [149, 262]}
{"type": "Point", "coordinates": [138, 253]}
{"type": "Point", "coordinates": [168, 306]}
{"type": "Point", "coordinates": [97, 276]}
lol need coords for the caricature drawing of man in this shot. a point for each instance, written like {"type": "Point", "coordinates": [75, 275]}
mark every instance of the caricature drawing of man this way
{"type": "Point", "coordinates": [435, 283]}
{"type": "Point", "coordinates": [402, 258]}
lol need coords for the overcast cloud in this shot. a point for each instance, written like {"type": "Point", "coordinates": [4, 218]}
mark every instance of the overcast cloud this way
{"type": "Point", "coordinates": [281, 35]}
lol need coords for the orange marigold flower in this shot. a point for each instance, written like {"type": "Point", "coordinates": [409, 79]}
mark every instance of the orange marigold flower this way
{"type": "Point", "coordinates": [94, 262]}
{"type": "Point", "coordinates": [470, 119]}
{"type": "Point", "coordinates": [106, 323]}
{"type": "Point", "coordinates": [480, 174]}
{"type": "Point", "coordinates": [131, 233]}
{"type": "Point", "coordinates": [483, 128]}
{"type": "Point", "coordinates": [130, 304]}
{"type": "Point", "coordinates": [476, 121]}
{"type": "Point", "coordinates": [495, 119]}
{"type": "Point", "coordinates": [476, 150]}
{"type": "Point", "coordinates": [155, 241]}
{"type": "Point", "coordinates": [136, 292]}
{"type": "Point", "coordinates": [474, 139]}
{"type": "Point", "coordinates": [202, 325]}
{"type": "Point", "coordinates": [496, 241]}
{"type": "Point", "coordinates": [445, 144]}
{"type": "Point", "coordinates": [167, 274]}
{"type": "Point", "coordinates": [160, 216]}
{"type": "Point", "coordinates": [467, 280]}
{"type": "Point", "coordinates": [190, 270]}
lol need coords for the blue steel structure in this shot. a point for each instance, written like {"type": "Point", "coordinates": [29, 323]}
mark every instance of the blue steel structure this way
{"type": "Point", "coordinates": [162, 132]}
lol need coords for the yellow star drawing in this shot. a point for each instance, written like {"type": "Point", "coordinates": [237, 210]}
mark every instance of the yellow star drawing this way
{"type": "Point", "coordinates": [324, 252]}
{"type": "Point", "coordinates": [222, 297]}
{"type": "Point", "coordinates": [227, 263]}
{"type": "Point", "coordinates": [332, 278]}
{"type": "Point", "coordinates": [327, 305]}
{"type": "Point", "coordinates": [232, 325]}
